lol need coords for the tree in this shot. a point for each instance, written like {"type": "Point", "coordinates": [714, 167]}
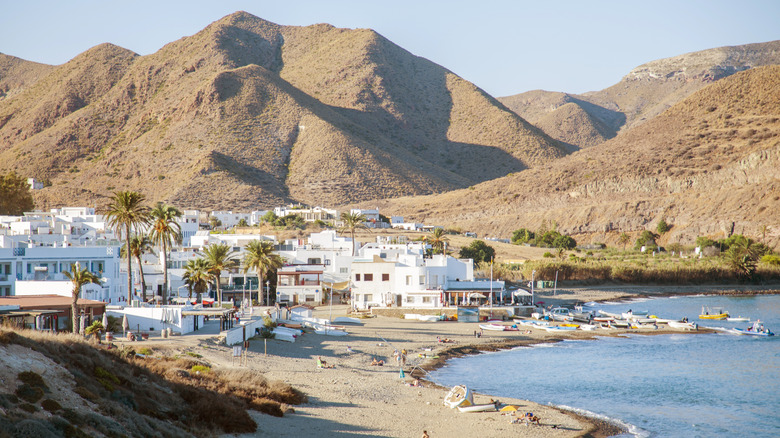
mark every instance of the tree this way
{"type": "Point", "coordinates": [260, 257]}
{"type": "Point", "coordinates": [139, 245]}
{"type": "Point", "coordinates": [742, 257]}
{"type": "Point", "coordinates": [214, 222]}
{"type": "Point", "coordinates": [662, 227]}
{"type": "Point", "coordinates": [624, 239]}
{"type": "Point", "coordinates": [15, 195]}
{"type": "Point", "coordinates": [125, 213]}
{"type": "Point", "coordinates": [565, 242]}
{"type": "Point", "coordinates": [165, 232]}
{"type": "Point", "coordinates": [219, 256]}
{"type": "Point", "coordinates": [269, 217]}
{"type": "Point", "coordinates": [95, 329]}
{"type": "Point", "coordinates": [479, 251]}
{"type": "Point", "coordinates": [242, 223]}
{"type": "Point", "coordinates": [78, 277]}
{"type": "Point", "coordinates": [197, 276]}
{"type": "Point", "coordinates": [350, 222]}
{"type": "Point", "coordinates": [437, 240]}
{"type": "Point", "coordinates": [521, 236]}
{"type": "Point", "coordinates": [646, 239]}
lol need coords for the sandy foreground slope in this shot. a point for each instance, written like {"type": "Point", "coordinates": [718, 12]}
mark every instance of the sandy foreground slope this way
{"type": "Point", "coordinates": [355, 399]}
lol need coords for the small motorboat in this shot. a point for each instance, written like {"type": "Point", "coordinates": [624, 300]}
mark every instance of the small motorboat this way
{"type": "Point", "coordinates": [634, 314]}
{"type": "Point", "coordinates": [330, 331]}
{"type": "Point", "coordinates": [738, 319]}
{"type": "Point", "coordinates": [757, 329]}
{"type": "Point", "coordinates": [588, 327]}
{"type": "Point", "coordinates": [487, 407]}
{"type": "Point", "coordinates": [558, 328]}
{"type": "Point", "coordinates": [713, 313]}
{"type": "Point", "coordinates": [458, 396]}
{"type": "Point", "coordinates": [347, 320]}
{"type": "Point", "coordinates": [683, 325]}
{"type": "Point", "coordinates": [493, 327]}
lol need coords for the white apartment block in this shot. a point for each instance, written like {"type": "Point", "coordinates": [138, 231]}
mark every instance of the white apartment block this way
{"type": "Point", "coordinates": [308, 214]}
{"type": "Point", "coordinates": [230, 219]}
{"type": "Point", "coordinates": [39, 271]}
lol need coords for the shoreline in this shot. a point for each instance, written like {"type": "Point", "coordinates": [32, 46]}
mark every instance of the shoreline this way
{"type": "Point", "coordinates": [356, 399]}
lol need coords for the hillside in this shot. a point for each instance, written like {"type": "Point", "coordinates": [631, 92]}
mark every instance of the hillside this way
{"type": "Point", "coordinates": [648, 89]}
{"type": "Point", "coordinates": [249, 114]}
{"type": "Point", "coordinates": [16, 75]}
{"type": "Point", "coordinates": [709, 161]}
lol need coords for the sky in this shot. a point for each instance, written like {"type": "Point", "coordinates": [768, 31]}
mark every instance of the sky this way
{"type": "Point", "coordinates": [504, 47]}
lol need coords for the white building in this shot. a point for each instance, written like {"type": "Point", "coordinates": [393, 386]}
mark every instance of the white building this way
{"type": "Point", "coordinates": [308, 214]}
{"type": "Point", "coordinates": [39, 271]}
{"type": "Point", "coordinates": [386, 276]}
{"type": "Point", "coordinates": [230, 219]}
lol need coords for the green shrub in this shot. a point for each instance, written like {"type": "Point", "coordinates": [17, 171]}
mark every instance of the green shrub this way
{"type": "Point", "coordinates": [29, 393]}
{"type": "Point", "coordinates": [548, 255]}
{"type": "Point", "coordinates": [663, 227]}
{"type": "Point", "coordinates": [771, 259]}
{"type": "Point", "coordinates": [195, 355]}
{"type": "Point", "coordinates": [146, 351]}
{"type": "Point", "coordinates": [106, 379]}
{"type": "Point", "coordinates": [200, 368]}
{"type": "Point", "coordinates": [51, 405]}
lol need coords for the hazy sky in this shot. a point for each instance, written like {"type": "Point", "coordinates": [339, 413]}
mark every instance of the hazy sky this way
{"type": "Point", "coordinates": [504, 47]}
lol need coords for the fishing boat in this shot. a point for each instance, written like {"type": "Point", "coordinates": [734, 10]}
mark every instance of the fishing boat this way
{"type": "Point", "coordinates": [488, 407]}
{"type": "Point", "coordinates": [458, 396]}
{"type": "Point", "coordinates": [606, 314]}
{"type": "Point", "coordinates": [713, 313]}
{"type": "Point", "coordinates": [558, 328]}
{"type": "Point", "coordinates": [603, 319]}
{"type": "Point", "coordinates": [738, 319]}
{"type": "Point", "coordinates": [534, 324]}
{"type": "Point", "coordinates": [683, 325]}
{"type": "Point", "coordinates": [757, 329]}
{"type": "Point", "coordinates": [560, 314]}
{"type": "Point", "coordinates": [634, 314]}
{"type": "Point", "coordinates": [493, 327]}
{"type": "Point", "coordinates": [588, 327]}
{"type": "Point", "coordinates": [347, 320]}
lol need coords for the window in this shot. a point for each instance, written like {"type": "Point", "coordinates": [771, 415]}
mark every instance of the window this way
{"type": "Point", "coordinates": [314, 261]}
{"type": "Point", "coordinates": [426, 300]}
{"type": "Point", "coordinates": [368, 297]}
{"type": "Point", "coordinates": [309, 298]}
{"type": "Point", "coordinates": [343, 270]}
{"type": "Point", "coordinates": [408, 280]}
{"type": "Point", "coordinates": [409, 299]}
{"type": "Point", "coordinates": [385, 277]}
{"type": "Point", "coordinates": [368, 277]}
{"type": "Point", "coordinates": [357, 277]}
{"type": "Point", "coordinates": [422, 279]}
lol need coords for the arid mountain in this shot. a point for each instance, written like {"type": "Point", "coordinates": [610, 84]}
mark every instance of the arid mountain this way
{"type": "Point", "coordinates": [708, 162]}
{"type": "Point", "coordinates": [16, 75]}
{"type": "Point", "coordinates": [249, 114]}
{"type": "Point", "coordinates": [646, 91]}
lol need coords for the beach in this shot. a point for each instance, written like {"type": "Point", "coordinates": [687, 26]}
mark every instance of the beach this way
{"type": "Point", "coordinates": [355, 398]}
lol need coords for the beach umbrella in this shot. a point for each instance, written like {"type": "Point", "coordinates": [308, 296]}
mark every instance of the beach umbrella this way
{"type": "Point", "coordinates": [105, 321]}
{"type": "Point", "coordinates": [82, 323]}
{"type": "Point", "coordinates": [125, 324]}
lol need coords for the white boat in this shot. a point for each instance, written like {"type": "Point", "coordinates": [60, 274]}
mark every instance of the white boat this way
{"type": "Point", "coordinates": [557, 328]}
{"type": "Point", "coordinates": [738, 319]}
{"type": "Point", "coordinates": [757, 329]}
{"type": "Point", "coordinates": [634, 314]}
{"type": "Point", "coordinates": [283, 335]}
{"type": "Point", "coordinates": [488, 407]}
{"type": "Point", "coordinates": [493, 327]}
{"type": "Point", "coordinates": [588, 327]}
{"type": "Point", "coordinates": [683, 325]}
{"type": "Point", "coordinates": [347, 320]}
{"type": "Point", "coordinates": [561, 314]}
{"type": "Point", "coordinates": [429, 318]}
{"type": "Point", "coordinates": [459, 395]}
{"type": "Point", "coordinates": [609, 314]}
{"type": "Point", "coordinates": [331, 332]}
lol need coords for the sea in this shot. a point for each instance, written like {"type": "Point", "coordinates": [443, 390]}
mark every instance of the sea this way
{"type": "Point", "coordinates": [676, 385]}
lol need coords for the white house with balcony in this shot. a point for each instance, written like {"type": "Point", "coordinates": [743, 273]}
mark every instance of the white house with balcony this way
{"type": "Point", "coordinates": [407, 279]}
{"type": "Point", "coordinates": [39, 271]}
{"type": "Point", "coordinates": [308, 214]}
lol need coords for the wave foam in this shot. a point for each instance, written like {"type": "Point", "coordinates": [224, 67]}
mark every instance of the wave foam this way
{"type": "Point", "coordinates": [635, 431]}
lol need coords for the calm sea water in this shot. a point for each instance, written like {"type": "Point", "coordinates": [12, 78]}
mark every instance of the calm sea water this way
{"type": "Point", "coordinates": [712, 385]}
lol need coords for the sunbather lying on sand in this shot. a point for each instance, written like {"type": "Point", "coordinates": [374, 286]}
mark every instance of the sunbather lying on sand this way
{"type": "Point", "coordinates": [322, 364]}
{"type": "Point", "coordinates": [445, 340]}
{"type": "Point", "coordinates": [377, 363]}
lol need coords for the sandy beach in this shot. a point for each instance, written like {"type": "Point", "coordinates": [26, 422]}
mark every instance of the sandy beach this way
{"type": "Point", "coordinates": [356, 399]}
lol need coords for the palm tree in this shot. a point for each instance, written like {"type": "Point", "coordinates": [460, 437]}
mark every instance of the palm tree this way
{"type": "Point", "coordinates": [125, 213]}
{"type": "Point", "coordinates": [624, 239]}
{"type": "Point", "coordinates": [351, 221]}
{"type": "Point", "coordinates": [165, 232]}
{"type": "Point", "coordinates": [197, 276]}
{"type": "Point", "coordinates": [260, 257]}
{"type": "Point", "coordinates": [139, 245]}
{"type": "Point", "coordinates": [219, 257]}
{"type": "Point", "coordinates": [79, 277]}
{"type": "Point", "coordinates": [437, 240]}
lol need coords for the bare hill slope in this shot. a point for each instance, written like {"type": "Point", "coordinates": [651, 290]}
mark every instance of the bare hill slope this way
{"type": "Point", "coordinates": [649, 89]}
{"type": "Point", "coordinates": [247, 113]}
{"type": "Point", "coordinates": [709, 161]}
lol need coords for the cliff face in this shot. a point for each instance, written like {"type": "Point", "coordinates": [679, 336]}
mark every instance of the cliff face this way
{"type": "Point", "coordinates": [709, 161]}
{"type": "Point", "coordinates": [250, 114]}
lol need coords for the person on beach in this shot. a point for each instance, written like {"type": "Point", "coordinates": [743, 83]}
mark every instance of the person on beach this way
{"type": "Point", "coordinates": [425, 434]}
{"type": "Point", "coordinates": [403, 357]}
{"type": "Point", "coordinates": [377, 363]}
{"type": "Point", "coordinates": [322, 364]}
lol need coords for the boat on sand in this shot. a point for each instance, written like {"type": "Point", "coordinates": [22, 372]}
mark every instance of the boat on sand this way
{"type": "Point", "coordinates": [458, 396]}
{"type": "Point", "coordinates": [488, 407]}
